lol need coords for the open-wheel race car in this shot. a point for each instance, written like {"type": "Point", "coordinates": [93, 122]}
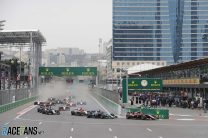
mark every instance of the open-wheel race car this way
{"type": "Point", "coordinates": [58, 101]}
{"type": "Point", "coordinates": [51, 111]}
{"type": "Point", "coordinates": [52, 100]}
{"type": "Point", "coordinates": [81, 102]}
{"type": "Point", "coordinates": [43, 103]}
{"type": "Point", "coordinates": [79, 112]}
{"type": "Point", "coordinates": [42, 109]}
{"type": "Point", "coordinates": [71, 104]}
{"type": "Point", "coordinates": [100, 114]}
{"type": "Point", "coordinates": [64, 108]}
{"type": "Point", "coordinates": [47, 110]}
{"type": "Point", "coordinates": [140, 116]}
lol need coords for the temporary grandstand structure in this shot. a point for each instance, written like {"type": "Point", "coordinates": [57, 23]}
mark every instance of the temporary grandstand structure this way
{"type": "Point", "coordinates": [26, 38]}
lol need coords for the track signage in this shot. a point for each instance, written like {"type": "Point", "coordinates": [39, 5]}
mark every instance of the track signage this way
{"type": "Point", "coordinates": [130, 85]}
{"type": "Point", "coordinates": [144, 85]}
{"type": "Point", "coordinates": [68, 71]}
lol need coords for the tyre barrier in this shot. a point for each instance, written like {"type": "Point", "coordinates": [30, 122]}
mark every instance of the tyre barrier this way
{"type": "Point", "coordinates": [6, 107]}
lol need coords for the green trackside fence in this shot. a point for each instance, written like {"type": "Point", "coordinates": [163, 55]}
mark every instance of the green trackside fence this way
{"type": "Point", "coordinates": [108, 103]}
{"type": "Point", "coordinates": [161, 113]}
{"type": "Point", "coordinates": [6, 107]}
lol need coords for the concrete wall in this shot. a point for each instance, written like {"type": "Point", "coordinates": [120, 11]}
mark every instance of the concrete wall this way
{"type": "Point", "coordinates": [111, 95]}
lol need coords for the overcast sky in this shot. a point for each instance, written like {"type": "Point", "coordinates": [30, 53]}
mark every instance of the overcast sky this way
{"type": "Point", "coordinates": [64, 23]}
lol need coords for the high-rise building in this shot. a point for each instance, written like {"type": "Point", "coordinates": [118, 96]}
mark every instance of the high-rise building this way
{"type": "Point", "coordinates": [160, 30]}
{"type": "Point", "coordinates": [191, 41]}
{"type": "Point", "coordinates": [141, 31]}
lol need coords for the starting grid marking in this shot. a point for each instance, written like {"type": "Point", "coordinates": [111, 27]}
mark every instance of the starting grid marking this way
{"type": "Point", "coordinates": [185, 119]}
{"type": "Point", "coordinates": [180, 115]}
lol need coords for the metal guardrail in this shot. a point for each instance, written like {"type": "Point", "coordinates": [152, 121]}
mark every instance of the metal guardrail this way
{"type": "Point", "coordinates": [6, 107]}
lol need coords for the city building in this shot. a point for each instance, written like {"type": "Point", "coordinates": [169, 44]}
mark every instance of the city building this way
{"type": "Point", "coordinates": [171, 31]}
{"type": "Point", "coordinates": [109, 59]}
{"type": "Point", "coordinates": [141, 33]}
{"type": "Point", "coordinates": [189, 29]}
{"type": "Point", "coordinates": [63, 57]}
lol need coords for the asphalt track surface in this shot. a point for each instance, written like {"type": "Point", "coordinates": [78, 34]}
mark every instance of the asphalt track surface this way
{"type": "Point", "coordinates": [67, 126]}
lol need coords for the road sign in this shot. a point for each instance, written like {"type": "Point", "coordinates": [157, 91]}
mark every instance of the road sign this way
{"type": "Point", "coordinates": [68, 71]}
{"type": "Point", "coordinates": [144, 85]}
{"type": "Point", "coordinates": [140, 85]}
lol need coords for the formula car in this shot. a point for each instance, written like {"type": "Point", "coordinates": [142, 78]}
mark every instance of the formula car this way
{"type": "Point", "coordinates": [140, 116]}
{"type": "Point", "coordinates": [64, 108]}
{"type": "Point", "coordinates": [71, 97]}
{"type": "Point", "coordinates": [79, 112]}
{"type": "Point", "coordinates": [41, 109]}
{"type": "Point", "coordinates": [43, 103]}
{"type": "Point", "coordinates": [51, 111]}
{"type": "Point", "coordinates": [100, 114]}
{"type": "Point", "coordinates": [66, 100]}
{"type": "Point", "coordinates": [52, 100]}
{"type": "Point", "coordinates": [58, 101]}
{"type": "Point", "coordinates": [81, 103]}
{"type": "Point", "coordinates": [71, 104]}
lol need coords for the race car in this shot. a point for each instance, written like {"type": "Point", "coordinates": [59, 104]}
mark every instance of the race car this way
{"type": "Point", "coordinates": [100, 114]}
{"type": "Point", "coordinates": [43, 103]}
{"type": "Point", "coordinates": [79, 112]}
{"type": "Point", "coordinates": [66, 100]}
{"type": "Point", "coordinates": [81, 103]}
{"type": "Point", "coordinates": [52, 100]}
{"type": "Point", "coordinates": [52, 111]}
{"type": "Point", "coordinates": [41, 109]}
{"type": "Point", "coordinates": [58, 101]}
{"type": "Point", "coordinates": [71, 104]}
{"type": "Point", "coordinates": [64, 108]}
{"type": "Point", "coordinates": [71, 97]}
{"type": "Point", "coordinates": [39, 103]}
{"type": "Point", "coordinates": [140, 116]}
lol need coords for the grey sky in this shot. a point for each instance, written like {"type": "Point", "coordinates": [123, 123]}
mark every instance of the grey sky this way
{"type": "Point", "coordinates": [64, 23]}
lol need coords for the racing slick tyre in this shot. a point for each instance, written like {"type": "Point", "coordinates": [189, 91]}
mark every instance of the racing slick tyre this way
{"type": "Point", "coordinates": [143, 117]}
{"type": "Point", "coordinates": [72, 113]}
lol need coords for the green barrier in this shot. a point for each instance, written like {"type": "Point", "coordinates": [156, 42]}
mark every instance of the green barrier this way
{"type": "Point", "coordinates": [6, 107]}
{"type": "Point", "coordinates": [162, 113]}
{"type": "Point", "coordinates": [133, 109]}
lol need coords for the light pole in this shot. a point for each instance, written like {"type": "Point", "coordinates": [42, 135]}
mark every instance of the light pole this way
{"type": "Point", "coordinates": [127, 85]}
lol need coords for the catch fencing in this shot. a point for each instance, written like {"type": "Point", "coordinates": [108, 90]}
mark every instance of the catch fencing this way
{"type": "Point", "coordinates": [12, 95]}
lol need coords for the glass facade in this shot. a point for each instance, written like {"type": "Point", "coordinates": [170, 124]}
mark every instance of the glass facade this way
{"type": "Point", "coordinates": [141, 30]}
{"type": "Point", "coordinates": [165, 30]}
{"type": "Point", "coordinates": [194, 30]}
{"type": "Point", "coordinates": [176, 20]}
